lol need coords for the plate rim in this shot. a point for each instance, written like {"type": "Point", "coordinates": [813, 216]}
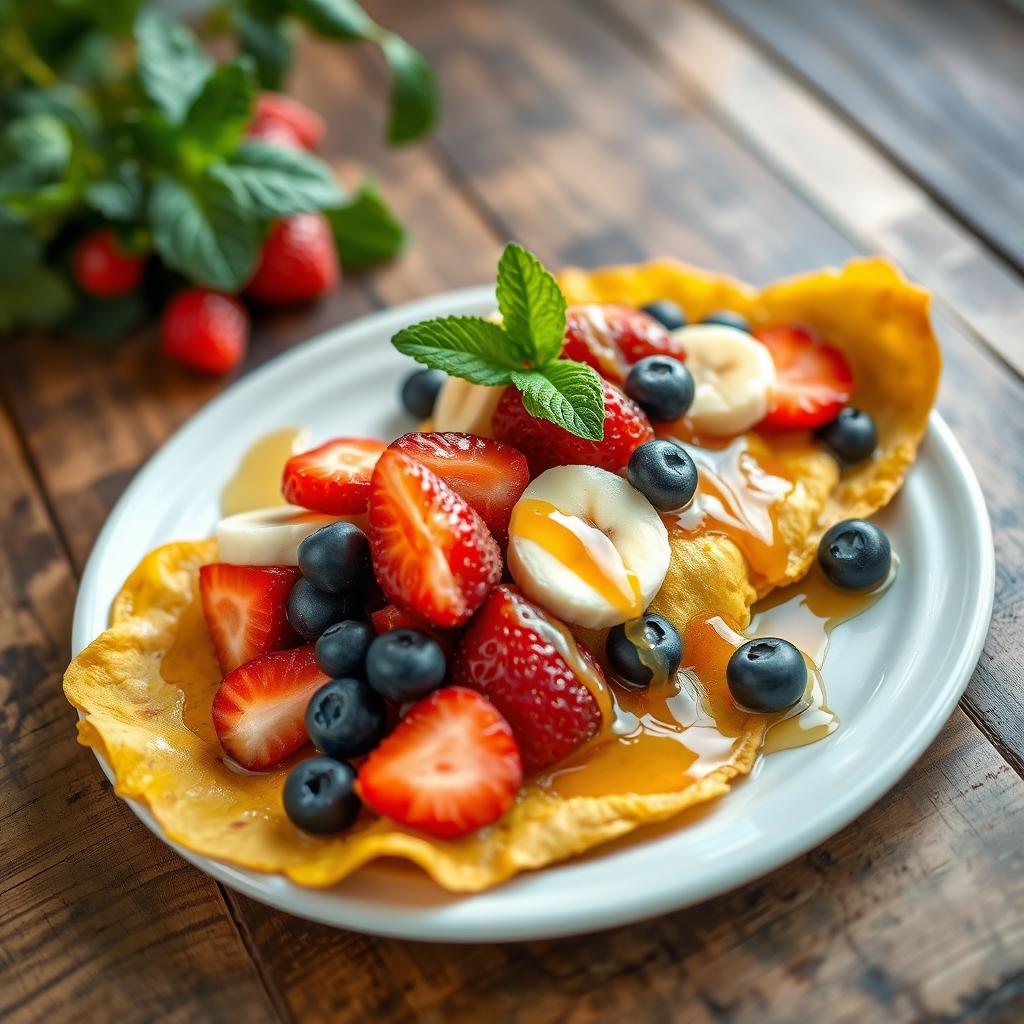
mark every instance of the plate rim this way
{"type": "Point", "coordinates": [393, 922]}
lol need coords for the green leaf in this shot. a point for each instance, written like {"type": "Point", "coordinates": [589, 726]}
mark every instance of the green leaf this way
{"type": "Point", "coordinates": [365, 230]}
{"type": "Point", "coordinates": [172, 64]}
{"type": "Point", "coordinates": [532, 305]}
{"type": "Point", "coordinates": [464, 346]}
{"type": "Point", "coordinates": [68, 103]}
{"type": "Point", "coordinates": [219, 115]}
{"type": "Point", "coordinates": [566, 393]}
{"type": "Point", "coordinates": [414, 95]}
{"type": "Point", "coordinates": [120, 195]}
{"type": "Point", "coordinates": [268, 43]}
{"type": "Point", "coordinates": [41, 299]}
{"type": "Point", "coordinates": [336, 19]}
{"type": "Point", "coordinates": [34, 151]}
{"type": "Point", "coordinates": [20, 249]}
{"type": "Point", "coordinates": [106, 320]}
{"type": "Point", "coordinates": [276, 181]}
{"type": "Point", "coordinates": [205, 232]}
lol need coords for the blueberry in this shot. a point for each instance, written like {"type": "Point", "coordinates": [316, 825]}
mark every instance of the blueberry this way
{"type": "Point", "coordinates": [662, 651]}
{"type": "Point", "coordinates": [405, 664]}
{"type": "Point", "coordinates": [667, 313]}
{"type": "Point", "coordinates": [345, 718]}
{"type": "Point", "coordinates": [728, 318]}
{"type": "Point", "coordinates": [419, 392]}
{"type": "Point", "coordinates": [341, 648]}
{"type": "Point", "coordinates": [319, 795]}
{"type": "Point", "coordinates": [661, 386]}
{"type": "Point", "coordinates": [851, 435]}
{"type": "Point", "coordinates": [766, 675]}
{"type": "Point", "coordinates": [855, 554]}
{"type": "Point", "coordinates": [664, 473]}
{"type": "Point", "coordinates": [335, 557]}
{"type": "Point", "coordinates": [310, 611]}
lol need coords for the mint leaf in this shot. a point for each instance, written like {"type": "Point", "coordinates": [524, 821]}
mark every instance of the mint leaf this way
{"type": "Point", "coordinates": [172, 64]}
{"type": "Point", "coordinates": [39, 299]}
{"type": "Point", "coordinates": [336, 19]}
{"type": "Point", "coordinates": [20, 248]}
{"type": "Point", "coordinates": [414, 95]}
{"type": "Point", "coordinates": [532, 305]}
{"type": "Point", "coordinates": [275, 181]}
{"type": "Point", "coordinates": [365, 230]}
{"type": "Point", "coordinates": [121, 195]}
{"type": "Point", "coordinates": [219, 115]}
{"type": "Point", "coordinates": [268, 43]}
{"type": "Point", "coordinates": [464, 346]}
{"type": "Point", "coordinates": [205, 232]}
{"type": "Point", "coordinates": [568, 394]}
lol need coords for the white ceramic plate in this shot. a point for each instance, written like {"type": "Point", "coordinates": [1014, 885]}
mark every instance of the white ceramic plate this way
{"type": "Point", "coordinates": [893, 674]}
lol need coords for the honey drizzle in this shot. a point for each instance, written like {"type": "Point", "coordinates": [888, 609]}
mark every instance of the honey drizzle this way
{"type": "Point", "coordinates": [256, 482]}
{"type": "Point", "coordinates": [583, 549]}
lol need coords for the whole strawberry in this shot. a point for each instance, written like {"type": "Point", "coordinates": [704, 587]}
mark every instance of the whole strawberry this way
{"type": "Point", "coordinates": [205, 330]}
{"type": "Point", "coordinates": [512, 654]}
{"type": "Point", "coordinates": [103, 269]}
{"type": "Point", "coordinates": [299, 262]}
{"type": "Point", "coordinates": [546, 444]}
{"type": "Point", "coordinates": [279, 118]}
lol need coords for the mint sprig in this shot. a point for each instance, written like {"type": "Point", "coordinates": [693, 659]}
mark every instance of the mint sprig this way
{"type": "Point", "coordinates": [522, 351]}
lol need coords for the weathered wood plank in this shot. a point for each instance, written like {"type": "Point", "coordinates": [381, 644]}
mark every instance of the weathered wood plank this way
{"type": "Point", "coordinates": [97, 917]}
{"type": "Point", "coordinates": [937, 84]}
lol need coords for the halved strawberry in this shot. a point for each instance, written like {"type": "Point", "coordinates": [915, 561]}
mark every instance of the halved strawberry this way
{"type": "Point", "coordinates": [244, 610]}
{"type": "Point", "coordinates": [259, 709]}
{"type": "Point", "coordinates": [610, 338]}
{"type": "Point", "coordinates": [392, 617]}
{"type": "Point", "coordinates": [490, 475]}
{"type": "Point", "coordinates": [511, 653]}
{"type": "Point", "coordinates": [334, 478]}
{"type": "Point", "coordinates": [813, 381]}
{"type": "Point", "coordinates": [450, 767]}
{"type": "Point", "coordinates": [432, 553]}
{"type": "Point", "coordinates": [545, 444]}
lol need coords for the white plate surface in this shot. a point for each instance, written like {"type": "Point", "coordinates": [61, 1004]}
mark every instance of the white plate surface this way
{"type": "Point", "coordinates": [893, 674]}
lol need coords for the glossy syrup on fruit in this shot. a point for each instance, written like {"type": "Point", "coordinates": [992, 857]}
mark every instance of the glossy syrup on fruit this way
{"type": "Point", "coordinates": [256, 482]}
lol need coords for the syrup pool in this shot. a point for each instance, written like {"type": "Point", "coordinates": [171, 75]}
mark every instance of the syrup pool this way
{"type": "Point", "coordinates": [256, 482]}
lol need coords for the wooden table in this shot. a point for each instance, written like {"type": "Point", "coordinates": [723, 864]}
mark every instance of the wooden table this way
{"type": "Point", "coordinates": [756, 138]}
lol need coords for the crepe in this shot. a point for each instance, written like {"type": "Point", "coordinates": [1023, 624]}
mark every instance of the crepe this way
{"type": "Point", "coordinates": [145, 686]}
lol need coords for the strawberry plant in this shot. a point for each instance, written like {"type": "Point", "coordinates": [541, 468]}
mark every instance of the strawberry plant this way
{"type": "Point", "coordinates": [133, 164]}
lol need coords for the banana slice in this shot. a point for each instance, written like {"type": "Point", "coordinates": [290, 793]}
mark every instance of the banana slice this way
{"type": "Point", "coordinates": [587, 546]}
{"type": "Point", "coordinates": [732, 373]}
{"type": "Point", "coordinates": [464, 407]}
{"type": "Point", "coordinates": [270, 536]}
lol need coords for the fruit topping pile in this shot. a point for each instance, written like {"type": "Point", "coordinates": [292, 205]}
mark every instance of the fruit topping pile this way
{"type": "Point", "coordinates": [411, 614]}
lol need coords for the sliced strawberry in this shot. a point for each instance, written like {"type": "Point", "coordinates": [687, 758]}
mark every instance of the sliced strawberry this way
{"type": "Point", "coordinates": [545, 444]}
{"type": "Point", "coordinates": [610, 338]}
{"type": "Point", "coordinates": [274, 109]}
{"type": "Point", "coordinates": [813, 381]}
{"type": "Point", "coordinates": [259, 709]}
{"type": "Point", "coordinates": [244, 609]}
{"type": "Point", "coordinates": [450, 767]}
{"type": "Point", "coordinates": [431, 552]}
{"type": "Point", "coordinates": [334, 478]}
{"type": "Point", "coordinates": [392, 617]}
{"type": "Point", "coordinates": [511, 653]}
{"type": "Point", "coordinates": [490, 475]}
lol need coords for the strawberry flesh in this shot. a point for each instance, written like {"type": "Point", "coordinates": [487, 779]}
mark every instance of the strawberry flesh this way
{"type": "Point", "coordinates": [813, 381]}
{"type": "Point", "coordinates": [507, 655]}
{"type": "Point", "coordinates": [490, 475]}
{"type": "Point", "coordinates": [546, 444]}
{"type": "Point", "coordinates": [244, 607]}
{"type": "Point", "coordinates": [259, 709]}
{"type": "Point", "coordinates": [432, 553]}
{"type": "Point", "coordinates": [450, 767]}
{"type": "Point", "coordinates": [392, 617]}
{"type": "Point", "coordinates": [334, 478]}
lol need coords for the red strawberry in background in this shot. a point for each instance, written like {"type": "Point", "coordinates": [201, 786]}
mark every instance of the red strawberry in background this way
{"type": "Point", "coordinates": [490, 475]}
{"type": "Point", "coordinates": [103, 269]}
{"type": "Point", "coordinates": [244, 610]}
{"type": "Point", "coordinates": [333, 478]}
{"type": "Point", "coordinates": [813, 381]}
{"type": "Point", "coordinates": [279, 118]}
{"type": "Point", "coordinates": [432, 553]}
{"type": "Point", "coordinates": [259, 709]}
{"type": "Point", "coordinates": [450, 767]}
{"type": "Point", "coordinates": [299, 262]}
{"type": "Point", "coordinates": [205, 330]}
{"type": "Point", "coordinates": [610, 338]}
{"type": "Point", "coordinates": [508, 655]}
{"type": "Point", "coordinates": [545, 444]}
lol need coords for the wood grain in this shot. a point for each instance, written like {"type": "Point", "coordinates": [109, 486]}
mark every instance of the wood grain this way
{"type": "Point", "coordinates": [937, 84]}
